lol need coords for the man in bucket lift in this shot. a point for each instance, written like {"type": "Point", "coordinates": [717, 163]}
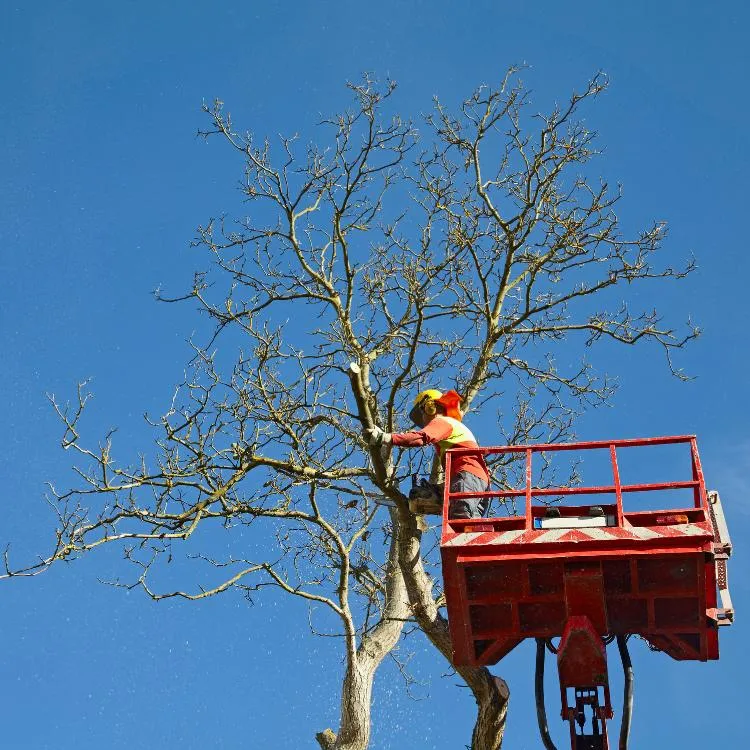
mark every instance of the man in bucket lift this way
{"type": "Point", "coordinates": [440, 418]}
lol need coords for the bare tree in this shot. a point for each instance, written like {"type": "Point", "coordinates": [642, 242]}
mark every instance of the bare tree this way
{"type": "Point", "coordinates": [467, 258]}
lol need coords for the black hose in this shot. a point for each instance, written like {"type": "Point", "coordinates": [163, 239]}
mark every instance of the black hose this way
{"type": "Point", "coordinates": [541, 713]}
{"type": "Point", "coordinates": [627, 696]}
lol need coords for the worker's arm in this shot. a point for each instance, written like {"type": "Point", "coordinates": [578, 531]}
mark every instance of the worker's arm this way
{"type": "Point", "coordinates": [436, 430]}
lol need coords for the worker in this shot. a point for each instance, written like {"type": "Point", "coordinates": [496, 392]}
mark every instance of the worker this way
{"type": "Point", "coordinates": [440, 418]}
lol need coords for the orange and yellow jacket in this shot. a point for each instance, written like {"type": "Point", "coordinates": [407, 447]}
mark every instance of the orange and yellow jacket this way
{"type": "Point", "coordinates": [446, 433]}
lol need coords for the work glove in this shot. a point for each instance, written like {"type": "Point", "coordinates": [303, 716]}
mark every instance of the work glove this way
{"type": "Point", "coordinates": [375, 436]}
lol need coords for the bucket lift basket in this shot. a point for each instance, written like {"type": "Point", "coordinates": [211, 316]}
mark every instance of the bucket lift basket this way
{"type": "Point", "coordinates": [588, 574]}
{"type": "Point", "coordinates": [652, 572]}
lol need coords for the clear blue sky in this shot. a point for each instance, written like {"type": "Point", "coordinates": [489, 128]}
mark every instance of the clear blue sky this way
{"type": "Point", "coordinates": [102, 182]}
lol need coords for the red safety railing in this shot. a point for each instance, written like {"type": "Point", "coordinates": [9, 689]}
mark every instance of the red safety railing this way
{"type": "Point", "coordinates": [616, 488]}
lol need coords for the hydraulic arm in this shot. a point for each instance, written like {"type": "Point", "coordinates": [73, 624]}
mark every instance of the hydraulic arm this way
{"type": "Point", "coordinates": [582, 666]}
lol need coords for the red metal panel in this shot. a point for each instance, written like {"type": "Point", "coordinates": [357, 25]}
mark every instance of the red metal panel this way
{"type": "Point", "coordinates": [461, 637]}
{"type": "Point", "coordinates": [581, 656]}
{"type": "Point", "coordinates": [584, 593]}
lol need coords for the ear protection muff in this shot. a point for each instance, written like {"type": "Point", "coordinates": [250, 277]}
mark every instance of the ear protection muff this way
{"type": "Point", "coordinates": [425, 405]}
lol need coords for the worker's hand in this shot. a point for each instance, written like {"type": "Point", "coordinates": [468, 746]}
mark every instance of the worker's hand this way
{"type": "Point", "coordinates": [375, 436]}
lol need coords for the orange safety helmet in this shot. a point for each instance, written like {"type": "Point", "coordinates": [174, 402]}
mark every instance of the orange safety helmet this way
{"type": "Point", "coordinates": [426, 401]}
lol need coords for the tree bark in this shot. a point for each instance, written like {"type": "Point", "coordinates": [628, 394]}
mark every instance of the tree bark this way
{"type": "Point", "coordinates": [491, 693]}
{"type": "Point", "coordinates": [362, 662]}
{"type": "Point", "coordinates": [356, 699]}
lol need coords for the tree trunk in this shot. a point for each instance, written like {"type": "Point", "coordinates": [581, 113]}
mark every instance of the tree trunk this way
{"type": "Point", "coordinates": [356, 699]}
{"type": "Point", "coordinates": [363, 662]}
{"type": "Point", "coordinates": [491, 693]}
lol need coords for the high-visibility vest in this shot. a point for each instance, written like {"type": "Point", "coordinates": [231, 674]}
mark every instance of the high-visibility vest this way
{"type": "Point", "coordinates": [458, 438]}
{"type": "Point", "coordinates": [462, 437]}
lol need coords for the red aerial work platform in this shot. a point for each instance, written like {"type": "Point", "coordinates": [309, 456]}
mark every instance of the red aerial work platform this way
{"type": "Point", "coordinates": [588, 574]}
